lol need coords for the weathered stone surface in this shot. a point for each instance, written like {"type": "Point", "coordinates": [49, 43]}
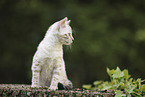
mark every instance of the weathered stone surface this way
{"type": "Point", "coordinates": [13, 90]}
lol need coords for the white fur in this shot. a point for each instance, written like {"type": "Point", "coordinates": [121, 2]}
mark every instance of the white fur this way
{"type": "Point", "coordinates": [48, 67]}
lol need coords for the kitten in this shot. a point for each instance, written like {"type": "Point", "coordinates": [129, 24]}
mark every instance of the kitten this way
{"type": "Point", "coordinates": [48, 67]}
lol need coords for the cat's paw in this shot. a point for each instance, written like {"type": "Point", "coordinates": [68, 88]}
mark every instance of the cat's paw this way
{"type": "Point", "coordinates": [53, 88]}
{"type": "Point", "coordinates": [35, 86]}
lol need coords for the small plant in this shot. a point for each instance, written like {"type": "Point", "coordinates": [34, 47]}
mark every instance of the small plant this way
{"type": "Point", "coordinates": [121, 83]}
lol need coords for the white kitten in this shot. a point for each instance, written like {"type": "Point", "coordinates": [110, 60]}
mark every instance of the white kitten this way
{"type": "Point", "coordinates": [48, 67]}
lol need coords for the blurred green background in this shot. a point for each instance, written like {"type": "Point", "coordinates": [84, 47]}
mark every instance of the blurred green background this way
{"type": "Point", "coordinates": [108, 33]}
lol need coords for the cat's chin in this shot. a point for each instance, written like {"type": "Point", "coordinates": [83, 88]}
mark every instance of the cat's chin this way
{"type": "Point", "coordinates": [67, 43]}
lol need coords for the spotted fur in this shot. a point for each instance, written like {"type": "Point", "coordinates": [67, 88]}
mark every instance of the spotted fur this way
{"type": "Point", "coordinates": [48, 67]}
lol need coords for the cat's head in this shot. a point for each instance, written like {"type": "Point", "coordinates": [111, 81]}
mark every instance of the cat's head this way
{"type": "Point", "coordinates": [63, 31]}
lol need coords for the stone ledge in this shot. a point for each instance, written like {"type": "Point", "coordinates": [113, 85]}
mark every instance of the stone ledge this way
{"type": "Point", "coordinates": [13, 90]}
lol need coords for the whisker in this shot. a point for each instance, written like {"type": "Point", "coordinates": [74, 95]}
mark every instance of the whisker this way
{"type": "Point", "coordinates": [70, 46]}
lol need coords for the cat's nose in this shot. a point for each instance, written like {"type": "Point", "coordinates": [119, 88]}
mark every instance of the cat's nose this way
{"type": "Point", "coordinates": [72, 37]}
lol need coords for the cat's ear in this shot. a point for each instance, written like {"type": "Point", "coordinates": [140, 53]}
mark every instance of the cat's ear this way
{"type": "Point", "coordinates": [62, 22]}
{"type": "Point", "coordinates": [68, 22]}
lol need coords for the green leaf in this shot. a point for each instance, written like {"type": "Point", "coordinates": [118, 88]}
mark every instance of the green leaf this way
{"type": "Point", "coordinates": [143, 88]}
{"type": "Point", "coordinates": [118, 93]}
{"type": "Point", "coordinates": [89, 86]}
{"type": "Point", "coordinates": [130, 87]}
{"type": "Point", "coordinates": [137, 94]}
{"type": "Point", "coordinates": [106, 85]}
{"type": "Point", "coordinates": [96, 83]}
{"type": "Point", "coordinates": [120, 80]}
{"type": "Point", "coordinates": [118, 73]}
{"type": "Point", "coordinates": [130, 80]}
{"type": "Point", "coordinates": [122, 85]}
{"type": "Point", "coordinates": [110, 72]}
{"type": "Point", "coordinates": [126, 75]}
{"type": "Point", "coordinates": [138, 83]}
{"type": "Point", "coordinates": [115, 84]}
{"type": "Point", "coordinates": [138, 80]}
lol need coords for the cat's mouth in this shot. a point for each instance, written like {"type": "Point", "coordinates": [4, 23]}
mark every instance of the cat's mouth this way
{"type": "Point", "coordinates": [68, 42]}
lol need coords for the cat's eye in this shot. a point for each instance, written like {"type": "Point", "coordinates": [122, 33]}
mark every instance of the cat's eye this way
{"type": "Point", "coordinates": [68, 36]}
{"type": "Point", "coordinates": [65, 36]}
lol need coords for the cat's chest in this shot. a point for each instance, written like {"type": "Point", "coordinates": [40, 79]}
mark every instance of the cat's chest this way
{"type": "Point", "coordinates": [47, 68]}
{"type": "Point", "coordinates": [48, 64]}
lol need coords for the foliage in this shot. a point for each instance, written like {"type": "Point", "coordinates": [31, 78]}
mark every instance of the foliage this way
{"type": "Point", "coordinates": [121, 82]}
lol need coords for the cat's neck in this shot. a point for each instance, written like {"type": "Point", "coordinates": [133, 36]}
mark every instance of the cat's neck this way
{"type": "Point", "coordinates": [52, 42]}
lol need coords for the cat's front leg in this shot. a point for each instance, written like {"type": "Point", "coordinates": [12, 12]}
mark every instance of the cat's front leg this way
{"type": "Point", "coordinates": [35, 78]}
{"type": "Point", "coordinates": [57, 74]}
{"type": "Point", "coordinates": [35, 75]}
{"type": "Point", "coordinates": [54, 81]}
